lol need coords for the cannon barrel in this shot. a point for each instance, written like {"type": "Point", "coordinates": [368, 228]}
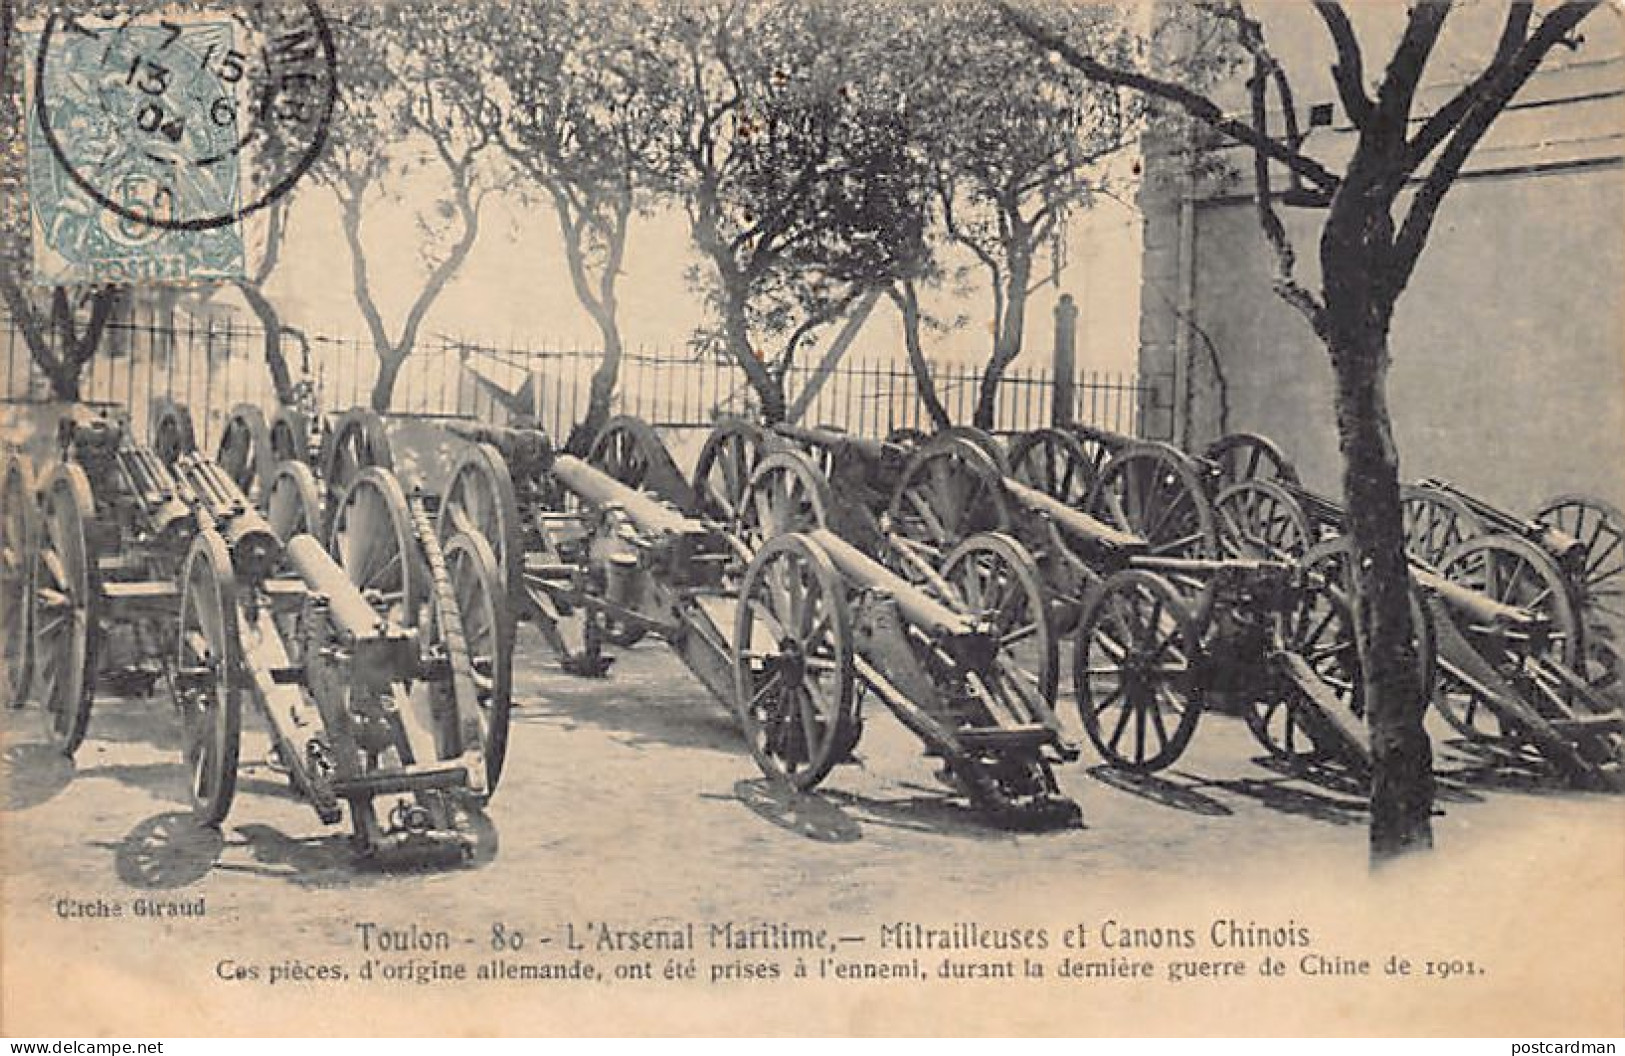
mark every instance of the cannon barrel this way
{"type": "Point", "coordinates": [600, 489]}
{"type": "Point", "coordinates": [347, 607]}
{"type": "Point", "coordinates": [1101, 540]}
{"type": "Point", "coordinates": [1569, 552]}
{"type": "Point", "coordinates": [917, 606]}
{"type": "Point", "coordinates": [1318, 508]}
{"type": "Point", "coordinates": [867, 448]}
{"type": "Point", "coordinates": [254, 545]}
{"type": "Point", "coordinates": [1479, 608]}
{"type": "Point", "coordinates": [164, 500]}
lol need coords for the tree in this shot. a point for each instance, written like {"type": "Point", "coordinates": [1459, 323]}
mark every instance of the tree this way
{"type": "Point", "coordinates": [785, 148]}
{"type": "Point", "coordinates": [1015, 148]}
{"type": "Point", "coordinates": [1373, 234]}
{"type": "Point", "coordinates": [252, 288]}
{"type": "Point", "coordinates": [558, 85]}
{"type": "Point", "coordinates": [63, 329]}
{"type": "Point", "coordinates": [399, 114]}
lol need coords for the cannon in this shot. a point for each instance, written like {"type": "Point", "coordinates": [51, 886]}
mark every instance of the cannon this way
{"type": "Point", "coordinates": [784, 621]}
{"type": "Point", "coordinates": [1161, 620]}
{"type": "Point", "coordinates": [382, 676]}
{"type": "Point", "coordinates": [1518, 666]}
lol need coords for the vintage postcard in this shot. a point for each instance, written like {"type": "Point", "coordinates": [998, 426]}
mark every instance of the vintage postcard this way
{"type": "Point", "coordinates": [768, 517]}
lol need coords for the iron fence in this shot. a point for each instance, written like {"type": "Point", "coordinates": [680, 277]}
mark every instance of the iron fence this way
{"type": "Point", "coordinates": [212, 365]}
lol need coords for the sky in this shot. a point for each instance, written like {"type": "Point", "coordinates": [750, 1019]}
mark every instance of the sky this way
{"type": "Point", "coordinates": [514, 289]}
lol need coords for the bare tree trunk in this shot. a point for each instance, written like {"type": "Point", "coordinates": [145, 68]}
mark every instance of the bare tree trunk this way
{"type": "Point", "coordinates": [64, 364]}
{"type": "Point", "coordinates": [23, 314]}
{"type": "Point", "coordinates": [1007, 345]}
{"type": "Point", "coordinates": [1395, 700]}
{"type": "Point", "coordinates": [390, 361]}
{"type": "Point", "coordinates": [271, 323]}
{"type": "Point", "coordinates": [769, 389]}
{"type": "Point", "coordinates": [907, 299]}
{"type": "Point", "coordinates": [602, 390]}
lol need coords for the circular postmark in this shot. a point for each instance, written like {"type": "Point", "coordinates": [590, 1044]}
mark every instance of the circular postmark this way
{"type": "Point", "coordinates": [186, 121]}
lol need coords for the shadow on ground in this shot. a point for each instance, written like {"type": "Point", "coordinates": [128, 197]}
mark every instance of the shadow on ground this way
{"type": "Point", "coordinates": [33, 774]}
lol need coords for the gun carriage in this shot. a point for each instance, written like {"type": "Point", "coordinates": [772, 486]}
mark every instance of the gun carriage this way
{"type": "Point", "coordinates": [381, 670]}
{"type": "Point", "coordinates": [1525, 662]}
{"type": "Point", "coordinates": [374, 679]}
{"type": "Point", "coordinates": [1162, 621]}
{"type": "Point", "coordinates": [782, 618]}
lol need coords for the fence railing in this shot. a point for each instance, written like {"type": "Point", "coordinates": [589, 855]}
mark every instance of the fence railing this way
{"type": "Point", "coordinates": [213, 365]}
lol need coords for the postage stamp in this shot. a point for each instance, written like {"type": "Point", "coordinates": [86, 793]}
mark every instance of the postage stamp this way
{"type": "Point", "coordinates": [152, 137]}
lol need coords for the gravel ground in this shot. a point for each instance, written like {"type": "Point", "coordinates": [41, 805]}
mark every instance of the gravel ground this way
{"type": "Point", "coordinates": [630, 809]}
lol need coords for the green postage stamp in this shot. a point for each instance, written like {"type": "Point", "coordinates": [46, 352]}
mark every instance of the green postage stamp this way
{"type": "Point", "coordinates": [152, 137]}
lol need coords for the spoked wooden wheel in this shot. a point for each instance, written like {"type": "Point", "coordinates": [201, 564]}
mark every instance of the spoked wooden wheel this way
{"type": "Point", "coordinates": [208, 677]}
{"type": "Point", "coordinates": [482, 606]}
{"type": "Point", "coordinates": [794, 687]}
{"type": "Point", "coordinates": [1514, 572]}
{"type": "Point", "coordinates": [358, 440]}
{"type": "Point", "coordinates": [1248, 456]}
{"type": "Point", "coordinates": [724, 469]}
{"type": "Point", "coordinates": [1601, 528]}
{"type": "Point", "coordinates": [16, 580]}
{"type": "Point", "coordinates": [172, 434]}
{"type": "Point", "coordinates": [480, 500]}
{"type": "Point", "coordinates": [786, 493]}
{"type": "Point", "coordinates": [1435, 523]}
{"type": "Point", "coordinates": [1151, 491]}
{"type": "Point", "coordinates": [1054, 462]}
{"type": "Point", "coordinates": [1135, 663]}
{"type": "Point", "coordinates": [1320, 629]}
{"type": "Point", "coordinates": [245, 451]}
{"type": "Point", "coordinates": [993, 579]}
{"type": "Point", "coordinates": [629, 450]}
{"type": "Point", "coordinates": [981, 438]}
{"type": "Point", "coordinates": [290, 435]}
{"type": "Point", "coordinates": [373, 541]}
{"type": "Point", "coordinates": [950, 491]}
{"type": "Point", "coordinates": [65, 606]}
{"type": "Point", "coordinates": [293, 502]}
{"type": "Point", "coordinates": [1260, 520]}
{"type": "Point", "coordinates": [1098, 444]}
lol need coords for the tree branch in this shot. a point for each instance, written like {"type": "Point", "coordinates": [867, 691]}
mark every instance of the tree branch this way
{"type": "Point", "coordinates": [1481, 114]}
{"type": "Point", "coordinates": [1445, 119]}
{"type": "Point", "coordinates": [22, 310]}
{"type": "Point", "coordinates": [1285, 282]}
{"type": "Point", "coordinates": [1398, 88]}
{"type": "Point", "coordinates": [1197, 106]}
{"type": "Point", "coordinates": [102, 303]}
{"type": "Point", "coordinates": [1349, 70]}
{"type": "Point", "coordinates": [443, 272]}
{"type": "Point", "coordinates": [350, 209]}
{"type": "Point", "coordinates": [905, 295]}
